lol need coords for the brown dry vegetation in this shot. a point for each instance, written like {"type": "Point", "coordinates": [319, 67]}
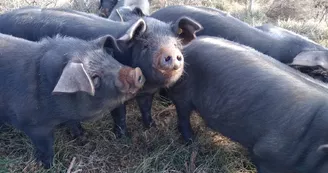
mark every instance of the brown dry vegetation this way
{"type": "Point", "coordinates": [158, 149]}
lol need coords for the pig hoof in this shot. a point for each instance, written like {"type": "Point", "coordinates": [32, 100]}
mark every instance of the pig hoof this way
{"type": "Point", "coordinates": [76, 132]}
{"type": "Point", "coordinates": [150, 124]}
{"type": "Point", "coordinates": [189, 141]}
{"type": "Point", "coordinates": [119, 132]}
{"type": "Point", "coordinates": [81, 141]}
{"type": "Point", "coordinates": [46, 163]}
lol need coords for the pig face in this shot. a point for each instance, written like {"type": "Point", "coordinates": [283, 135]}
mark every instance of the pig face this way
{"type": "Point", "coordinates": [95, 72]}
{"type": "Point", "coordinates": [157, 49]}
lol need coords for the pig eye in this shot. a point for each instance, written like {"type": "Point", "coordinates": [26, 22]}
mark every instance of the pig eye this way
{"type": "Point", "coordinates": [145, 46]}
{"type": "Point", "coordinates": [140, 79]}
{"type": "Point", "coordinates": [96, 81]}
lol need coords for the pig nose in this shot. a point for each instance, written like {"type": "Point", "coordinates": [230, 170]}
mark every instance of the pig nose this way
{"type": "Point", "coordinates": [172, 62]}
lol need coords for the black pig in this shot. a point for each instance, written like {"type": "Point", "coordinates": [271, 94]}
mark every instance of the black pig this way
{"type": "Point", "coordinates": [280, 44]}
{"type": "Point", "coordinates": [58, 80]}
{"type": "Point", "coordinates": [285, 46]}
{"type": "Point", "coordinates": [279, 114]}
{"type": "Point", "coordinates": [310, 54]}
{"type": "Point", "coordinates": [148, 43]}
{"type": "Point", "coordinates": [124, 10]}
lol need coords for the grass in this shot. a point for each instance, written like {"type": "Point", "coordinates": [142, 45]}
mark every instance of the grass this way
{"type": "Point", "coordinates": [156, 150]}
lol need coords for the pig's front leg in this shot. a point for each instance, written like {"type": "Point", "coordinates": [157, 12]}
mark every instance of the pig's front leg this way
{"type": "Point", "coordinates": [43, 140]}
{"type": "Point", "coordinates": [119, 118]}
{"type": "Point", "coordinates": [145, 102]}
{"type": "Point", "coordinates": [184, 111]}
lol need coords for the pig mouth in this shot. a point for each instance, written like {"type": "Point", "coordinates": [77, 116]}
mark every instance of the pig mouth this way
{"type": "Point", "coordinates": [170, 76]}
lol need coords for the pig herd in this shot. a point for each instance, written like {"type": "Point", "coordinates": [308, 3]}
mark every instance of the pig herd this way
{"type": "Point", "coordinates": [263, 87]}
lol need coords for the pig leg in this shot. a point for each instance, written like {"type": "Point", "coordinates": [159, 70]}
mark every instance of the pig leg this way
{"type": "Point", "coordinates": [164, 95]}
{"type": "Point", "coordinates": [119, 118]}
{"type": "Point", "coordinates": [42, 140]}
{"type": "Point", "coordinates": [145, 102]}
{"type": "Point", "coordinates": [76, 129]}
{"type": "Point", "coordinates": [184, 111]}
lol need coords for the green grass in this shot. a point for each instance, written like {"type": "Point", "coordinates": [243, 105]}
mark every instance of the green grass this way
{"type": "Point", "coordinates": [156, 150]}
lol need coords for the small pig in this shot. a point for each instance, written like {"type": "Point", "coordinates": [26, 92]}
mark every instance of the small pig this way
{"type": "Point", "coordinates": [279, 114]}
{"type": "Point", "coordinates": [58, 80]}
{"type": "Point", "coordinates": [148, 43]}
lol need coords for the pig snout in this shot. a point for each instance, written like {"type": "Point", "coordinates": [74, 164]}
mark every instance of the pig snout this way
{"type": "Point", "coordinates": [137, 77]}
{"type": "Point", "coordinates": [170, 59]}
{"type": "Point", "coordinates": [130, 80]}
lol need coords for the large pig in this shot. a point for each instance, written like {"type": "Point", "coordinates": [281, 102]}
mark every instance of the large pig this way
{"type": "Point", "coordinates": [311, 54]}
{"type": "Point", "coordinates": [283, 45]}
{"type": "Point", "coordinates": [280, 44]}
{"type": "Point", "coordinates": [279, 114]}
{"type": "Point", "coordinates": [148, 43]}
{"type": "Point", "coordinates": [59, 80]}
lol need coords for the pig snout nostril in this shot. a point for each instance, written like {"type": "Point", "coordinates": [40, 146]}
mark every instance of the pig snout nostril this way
{"type": "Point", "coordinates": [168, 58]}
{"type": "Point", "coordinates": [179, 58]}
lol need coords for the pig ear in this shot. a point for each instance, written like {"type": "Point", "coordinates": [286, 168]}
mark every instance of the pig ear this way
{"type": "Point", "coordinates": [130, 80]}
{"type": "Point", "coordinates": [138, 12]}
{"type": "Point", "coordinates": [137, 29]}
{"type": "Point", "coordinates": [108, 41]}
{"type": "Point", "coordinates": [186, 29]}
{"type": "Point", "coordinates": [323, 148]}
{"type": "Point", "coordinates": [73, 79]}
{"type": "Point", "coordinates": [311, 59]}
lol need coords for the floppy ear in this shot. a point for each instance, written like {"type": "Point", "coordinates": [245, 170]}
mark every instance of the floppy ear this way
{"type": "Point", "coordinates": [73, 79]}
{"type": "Point", "coordinates": [138, 12]}
{"type": "Point", "coordinates": [186, 29]}
{"type": "Point", "coordinates": [108, 41]}
{"type": "Point", "coordinates": [312, 58]}
{"type": "Point", "coordinates": [323, 148]}
{"type": "Point", "coordinates": [100, 4]}
{"type": "Point", "coordinates": [119, 14]}
{"type": "Point", "coordinates": [138, 28]}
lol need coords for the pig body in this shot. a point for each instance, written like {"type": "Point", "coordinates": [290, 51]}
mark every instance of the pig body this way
{"type": "Point", "coordinates": [145, 42]}
{"type": "Point", "coordinates": [283, 47]}
{"type": "Point", "coordinates": [276, 112]}
{"type": "Point", "coordinates": [58, 80]}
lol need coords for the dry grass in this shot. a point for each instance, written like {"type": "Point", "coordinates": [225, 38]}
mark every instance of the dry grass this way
{"type": "Point", "coordinates": [145, 151]}
{"type": "Point", "coordinates": [155, 150]}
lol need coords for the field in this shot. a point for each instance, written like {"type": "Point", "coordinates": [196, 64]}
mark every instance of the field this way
{"type": "Point", "coordinates": [160, 149]}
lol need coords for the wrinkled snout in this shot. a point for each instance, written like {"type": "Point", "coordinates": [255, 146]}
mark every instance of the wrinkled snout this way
{"type": "Point", "coordinates": [130, 80]}
{"type": "Point", "coordinates": [170, 59]}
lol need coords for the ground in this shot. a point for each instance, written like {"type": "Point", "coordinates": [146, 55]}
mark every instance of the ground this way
{"type": "Point", "coordinates": [159, 149]}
